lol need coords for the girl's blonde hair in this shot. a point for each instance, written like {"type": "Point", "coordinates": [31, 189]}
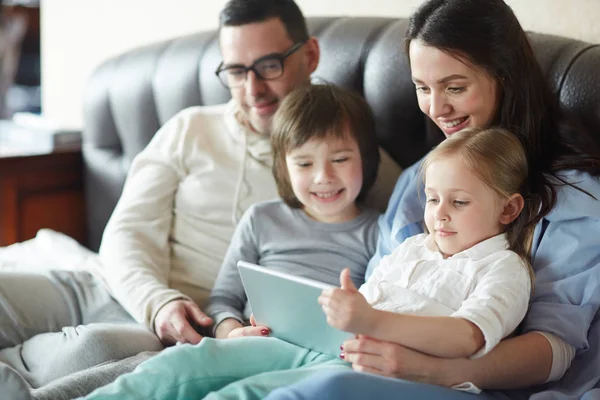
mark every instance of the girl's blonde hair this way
{"type": "Point", "coordinates": [497, 157]}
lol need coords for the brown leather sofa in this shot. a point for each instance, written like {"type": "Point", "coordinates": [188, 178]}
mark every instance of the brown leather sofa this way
{"type": "Point", "coordinates": [130, 96]}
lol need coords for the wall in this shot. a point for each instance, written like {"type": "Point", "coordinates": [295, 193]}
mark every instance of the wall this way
{"type": "Point", "coordinates": [77, 35]}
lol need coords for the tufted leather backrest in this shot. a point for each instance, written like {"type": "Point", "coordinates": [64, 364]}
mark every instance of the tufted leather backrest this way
{"type": "Point", "coordinates": [129, 97]}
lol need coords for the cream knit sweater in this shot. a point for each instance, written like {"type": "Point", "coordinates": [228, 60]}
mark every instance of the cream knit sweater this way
{"type": "Point", "coordinates": [184, 193]}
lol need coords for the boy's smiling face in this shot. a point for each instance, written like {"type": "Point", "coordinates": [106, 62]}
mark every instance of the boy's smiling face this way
{"type": "Point", "coordinates": [326, 177]}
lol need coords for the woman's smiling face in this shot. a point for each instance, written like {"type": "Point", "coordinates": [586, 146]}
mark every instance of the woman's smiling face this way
{"type": "Point", "coordinates": [454, 94]}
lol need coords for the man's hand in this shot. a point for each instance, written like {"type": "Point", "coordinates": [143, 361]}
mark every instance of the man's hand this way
{"type": "Point", "coordinates": [393, 360]}
{"type": "Point", "coordinates": [252, 330]}
{"type": "Point", "coordinates": [346, 308]}
{"type": "Point", "coordinates": [173, 323]}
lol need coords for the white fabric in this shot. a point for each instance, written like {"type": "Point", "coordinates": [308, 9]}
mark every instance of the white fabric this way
{"type": "Point", "coordinates": [468, 387]}
{"type": "Point", "coordinates": [48, 250]}
{"type": "Point", "coordinates": [487, 285]}
{"type": "Point", "coordinates": [562, 356]}
{"type": "Point", "coordinates": [169, 232]}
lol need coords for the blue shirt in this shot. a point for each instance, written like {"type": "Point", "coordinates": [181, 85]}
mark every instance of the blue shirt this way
{"type": "Point", "coordinates": [566, 261]}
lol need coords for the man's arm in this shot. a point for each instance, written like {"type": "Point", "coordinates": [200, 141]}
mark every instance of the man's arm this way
{"type": "Point", "coordinates": [135, 250]}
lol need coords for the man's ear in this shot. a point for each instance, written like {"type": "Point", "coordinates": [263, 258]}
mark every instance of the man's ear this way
{"type": "Point", "coordinates": [512, 209]}
{"type": "Point", "coordinates": [313, 52]}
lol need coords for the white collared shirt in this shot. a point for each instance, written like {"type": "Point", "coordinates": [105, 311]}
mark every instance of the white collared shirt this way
{"type": "Point", "coordinates": [486, 284]}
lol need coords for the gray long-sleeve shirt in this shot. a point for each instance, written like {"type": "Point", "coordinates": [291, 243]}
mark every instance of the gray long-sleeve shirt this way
{"type": "Point", "coordinates": [281, 238]}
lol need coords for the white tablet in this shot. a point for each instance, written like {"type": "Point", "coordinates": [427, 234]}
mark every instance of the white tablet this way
{"type": "Point", "coordinates": [288, 305]}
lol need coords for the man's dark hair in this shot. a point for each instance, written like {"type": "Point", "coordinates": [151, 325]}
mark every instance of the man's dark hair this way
{"type": "Point", "coordinates": [242, 12]}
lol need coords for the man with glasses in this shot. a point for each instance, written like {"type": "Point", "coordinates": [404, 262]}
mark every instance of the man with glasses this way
{"type": "Point", "coordinates": [163, 246]}
{"type": "Point", "coordinates": [267, 68]}
{"type": "Point", "coordinates": [262, 63]}
{"type": "Point", "coordinates": [266, 53]}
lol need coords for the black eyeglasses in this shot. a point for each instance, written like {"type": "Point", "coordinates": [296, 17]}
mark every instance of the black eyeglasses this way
{"type": "Point", "coordinates": [266, 68]}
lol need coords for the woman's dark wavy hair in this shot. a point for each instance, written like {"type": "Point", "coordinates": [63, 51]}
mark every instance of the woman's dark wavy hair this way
{"type": "Point", "coordinates": [487, 35]}
{"type": "Point", "coordinates": [320, 112]}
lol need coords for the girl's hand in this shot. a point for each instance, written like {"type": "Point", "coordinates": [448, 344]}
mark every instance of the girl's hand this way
{"type": "Point", "coordinates": [252, 330]}
{"type": "Point", "coordinates": [346, 308]}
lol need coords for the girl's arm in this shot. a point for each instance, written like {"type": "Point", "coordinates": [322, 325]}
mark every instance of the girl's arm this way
{"type": "Point", "coordinates": [446, 337]}
{"type": "Point", "coordinates": [492, 311]}
{"type": "Point", "coordinates": [449, 337]}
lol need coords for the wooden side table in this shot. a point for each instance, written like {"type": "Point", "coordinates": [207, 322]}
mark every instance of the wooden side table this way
{"type": "Point", "coordinates": [41, 190]}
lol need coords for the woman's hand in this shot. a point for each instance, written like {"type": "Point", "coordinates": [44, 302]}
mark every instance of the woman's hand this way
{"type": "Point", "coordinates": [393, 360]}
{"type": "Point", "coordinates": [252, 330]}
{"type": "Point", "coordinates": [346, 308]}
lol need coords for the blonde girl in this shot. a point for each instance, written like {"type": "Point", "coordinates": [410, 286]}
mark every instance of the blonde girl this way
{"type": "Point", "coordinates": [459, 289]}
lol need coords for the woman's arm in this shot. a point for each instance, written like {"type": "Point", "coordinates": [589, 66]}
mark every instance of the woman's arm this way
{"type": "Point", "coordinates": [403, 217]}
{"type": "Point", "coordinates": [516, 362]}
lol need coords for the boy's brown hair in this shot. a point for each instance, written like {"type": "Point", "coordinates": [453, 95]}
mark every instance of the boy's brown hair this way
{"type": "Point", "coordinates": [318, 112]}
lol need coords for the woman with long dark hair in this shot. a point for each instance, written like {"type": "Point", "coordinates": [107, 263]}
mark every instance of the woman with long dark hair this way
{"type": "Point", "coordinates": [473, 66]}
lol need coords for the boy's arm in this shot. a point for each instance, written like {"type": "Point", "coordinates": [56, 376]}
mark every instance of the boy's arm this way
{"type": "Point", "coordinates": [226, 326]}
{"type": "Point", "coordinates": [228, 297]}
